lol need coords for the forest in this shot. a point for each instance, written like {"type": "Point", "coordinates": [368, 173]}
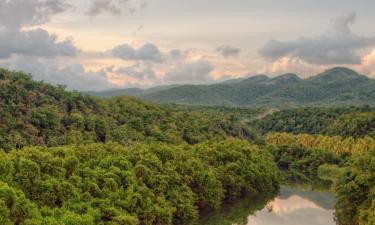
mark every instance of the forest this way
{"type": "Point", "coordinates": [68, 158]}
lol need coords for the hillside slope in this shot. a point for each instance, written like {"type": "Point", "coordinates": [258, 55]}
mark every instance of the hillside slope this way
{"type": "Point", "coordinates": [334, 87]}
{"type": "Point", "coordinates": [35, 113]}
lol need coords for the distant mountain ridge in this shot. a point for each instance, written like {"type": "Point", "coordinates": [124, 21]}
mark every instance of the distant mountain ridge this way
{"type": "Point", "coordinates": [133, 92]}
{"type": "Point", "coordinates": [338, 86]}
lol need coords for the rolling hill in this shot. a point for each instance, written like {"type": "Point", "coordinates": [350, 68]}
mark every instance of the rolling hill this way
{"type": "Point", "coordinates": [335, 87]}
{"type": "Point", "coordinates": [133, 92]}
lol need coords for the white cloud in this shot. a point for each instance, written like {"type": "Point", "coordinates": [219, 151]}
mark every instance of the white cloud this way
{"type": "Point", "coordinates": [294, 65]}
{"type": "Point", "coordinates": [368, 65]}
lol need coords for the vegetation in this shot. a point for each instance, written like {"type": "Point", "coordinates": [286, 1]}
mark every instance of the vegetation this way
{"type": "Point", "coordinates": [345, 122]}
{"type": "Point", "coordinates": [302, 164]}
{"type": "Point", "coordinates": [334, 87]}
{"type": "Point", "coordinates": [119, 160]}
{"type": "Point", "coordinates": [335, 144]}
{"type": "Point", "coordinates": [356, 191]}
{"type": "Point", "coordinates": [347, 163]}
{"type": "Point", "coordinates": [304, 120]}
{"type": "Point", "coordinates": [72, 159]}
{"type": "Point", "coordinates": [134, 92]}
{"type": "Point", "coordinates": [144, 184]}
{"type": "Point", "coordinates": [34, 113]}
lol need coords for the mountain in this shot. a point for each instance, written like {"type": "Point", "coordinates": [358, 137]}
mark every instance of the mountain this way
{"type": "Point", "coordinates": [334, 87]}
{"type": "Point", "coordinates": [260, 77]}
{"type": "Point", "coordinates": [133, 92]}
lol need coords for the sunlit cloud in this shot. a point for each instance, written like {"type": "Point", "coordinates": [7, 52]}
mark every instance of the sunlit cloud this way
{"type": "Point", "coordinates": [368, 64]}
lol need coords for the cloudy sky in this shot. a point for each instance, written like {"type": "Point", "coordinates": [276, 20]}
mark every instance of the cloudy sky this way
{"type": "Point", "coordinates": [103, 44]}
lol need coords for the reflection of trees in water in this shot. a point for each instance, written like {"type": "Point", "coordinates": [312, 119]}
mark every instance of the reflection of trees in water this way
{"type": "Point", "coordinates": [238, 212]}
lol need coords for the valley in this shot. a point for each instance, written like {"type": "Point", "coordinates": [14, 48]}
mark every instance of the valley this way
{"type": "Point", "coordinates": [77, 159]}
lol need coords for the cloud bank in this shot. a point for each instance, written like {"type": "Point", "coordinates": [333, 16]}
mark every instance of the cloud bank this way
{"type": "Point", "coordinates": [75, 76]}
{"type": "Point", "coordinates": [339, 45]}
{"type": "Point", "coordinates": [17, 36]}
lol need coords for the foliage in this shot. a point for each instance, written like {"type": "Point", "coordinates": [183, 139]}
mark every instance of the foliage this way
{"type": "Point", "coordinates": [299, 164]}
{"type": "Point", "coordinates": [34, 113]}
{"type": "Point", "coordinates": [152, 183]}
{"type": "Point", "coordinates": [330, 172]}
{"type": "Point", "coordinates": [334, 87]}
{"type": "Point", "coordinates": [123, 161]}
{"type": "Point", "coordinates": [356, 191]}
{"type": "Point", "coordinates": [347, 163]}
{"type": "Point", "coordinates": [346, 122]}
{"type": "Point", "coordinates": [303, 120]}
{"type": "Point", "coordinates": [335, 144]}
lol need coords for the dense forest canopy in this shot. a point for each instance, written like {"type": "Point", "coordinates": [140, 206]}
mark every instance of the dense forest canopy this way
{"type": "Point", "coordinates": [69, 159]}
{"type": "Point", "coordinates": [143, 184]}
{"type": "Point", "coordinates": [345, 122]}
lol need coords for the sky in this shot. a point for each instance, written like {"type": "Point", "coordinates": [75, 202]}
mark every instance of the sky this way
{"type": "Point", "coordinates": [93, 45]}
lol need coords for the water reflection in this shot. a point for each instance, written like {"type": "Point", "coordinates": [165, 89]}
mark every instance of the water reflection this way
{"type": "Point", "coordinates": [293, 206]}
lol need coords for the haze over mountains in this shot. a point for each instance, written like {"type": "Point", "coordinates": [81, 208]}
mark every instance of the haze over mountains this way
{"type": "Point", "coordinates": [335, 87]}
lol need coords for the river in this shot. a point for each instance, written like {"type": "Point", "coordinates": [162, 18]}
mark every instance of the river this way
{"type": "Point", "coordinates": [292, 206]}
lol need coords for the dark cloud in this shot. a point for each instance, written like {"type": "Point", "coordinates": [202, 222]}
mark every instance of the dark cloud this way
{"type": "Point", "coordinates": [228, 51]}
{"type": "Point", "coordinates": [197, 72]}
{"type": "Point", "coordinates": [15, 15]}
{"type": "Point", "coordinates": [148, 52]}
{"type": "Point", "coordinates": [338, 45]}
{"type": "Point", "coordinates": [114, 7]}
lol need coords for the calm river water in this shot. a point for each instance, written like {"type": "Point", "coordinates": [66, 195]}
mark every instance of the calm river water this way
{"type": "Point", "coordinates": [293, 206]}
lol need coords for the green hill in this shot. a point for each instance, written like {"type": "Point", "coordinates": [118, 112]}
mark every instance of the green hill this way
{"type": "Point", "coordinates": [35, 113]}
{"type": "Point", "coordinates": [334, 87]}
{"type": "Point", "coordinates": [133, 92]}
